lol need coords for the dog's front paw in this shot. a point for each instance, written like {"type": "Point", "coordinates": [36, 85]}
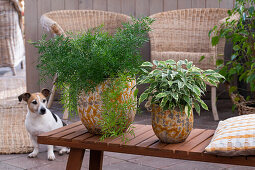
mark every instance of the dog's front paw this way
{"type": "Point", "coordinates": [51, 157]}
{"type": "Point", "coordinates": [32, 155]}
{"type": "Point", "coordinates": [64, 150]}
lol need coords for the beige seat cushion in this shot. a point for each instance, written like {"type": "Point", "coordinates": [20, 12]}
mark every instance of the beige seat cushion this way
{"type": "Point", "coordinates": [234, 136]}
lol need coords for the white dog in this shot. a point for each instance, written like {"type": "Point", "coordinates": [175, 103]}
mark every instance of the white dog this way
{"type": "Point", "coordinates": [39, 119]}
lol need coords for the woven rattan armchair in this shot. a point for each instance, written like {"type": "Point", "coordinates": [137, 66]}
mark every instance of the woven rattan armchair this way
{"type": "Point", "coordinates": [183, 34]}
{"type": "Point", "coordinates": [60, 22]}
{"type": "Point", "coordinates": [12, 49]}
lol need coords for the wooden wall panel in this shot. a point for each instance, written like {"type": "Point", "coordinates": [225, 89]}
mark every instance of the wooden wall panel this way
{"type": "Point", "coordinates": [142, 8]}
{"type": "Point", "coordinates": [71, 4]}
{"type": "Point", "coordinates": [35, 8]}
{"type": "Point", "coordinates": [198, 3]}
{"type": "Point", "coordinates": [86, 4]}
{"type": "Point", "coordinates": [32, 75]}
{"type": "Point", "coordinates": [156, 6]}
{"type": "Point", "coordinates": [128, 7]}
{"type": "Point", "coordinates": [170, 5]}
{"type": "Point", "coordinates": [212, 4]}
{"type": "Point", "coordinates": [43, 7]}
{"type": "Point", "coordinates": [183, 4]}
{"type": "Point", "coordinates": [227, 4]}
{"type": "Point", "coordinates": [57, 5]}
{"type": "Point", "coordinates": [100, 4]}
{"type": "Point", "coordinates": [114, 5]}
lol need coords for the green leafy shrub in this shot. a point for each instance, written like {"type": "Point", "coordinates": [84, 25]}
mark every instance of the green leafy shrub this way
{"type": "Point", "coordinates": [176, 85]}
{"type": "Point", "coordinates": [84, 60]}
{"type": "Point", "coordinates": [241, 32]}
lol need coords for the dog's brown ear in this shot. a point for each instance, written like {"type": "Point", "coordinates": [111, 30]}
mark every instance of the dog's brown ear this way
{"type": "Point", "coordinates": [24, 96]}
{"type": "Point", "coordinates": [45, 92]}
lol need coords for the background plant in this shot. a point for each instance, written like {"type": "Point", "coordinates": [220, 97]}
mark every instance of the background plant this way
{"type": "Point", "coordinates": [241, 33]}
{"type": "Point", "coordinates": [84, 60]}
{"type": "Point", "coordinates": [176, 85]}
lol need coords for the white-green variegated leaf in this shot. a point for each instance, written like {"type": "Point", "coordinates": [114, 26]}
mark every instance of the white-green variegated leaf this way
{"type": "Point", "coordinates": [147, 64]}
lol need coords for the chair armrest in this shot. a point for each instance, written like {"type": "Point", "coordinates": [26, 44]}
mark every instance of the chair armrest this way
{"type": "Point", "coordinates": [19, 11]}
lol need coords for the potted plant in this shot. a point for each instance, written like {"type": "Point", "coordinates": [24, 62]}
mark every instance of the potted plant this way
{"type": "Point", "coordinates": [174, 89]}
{"type": "Point", "coordinates": [239, 30]}
{"type": "Point", "coordinates": [97, 71]}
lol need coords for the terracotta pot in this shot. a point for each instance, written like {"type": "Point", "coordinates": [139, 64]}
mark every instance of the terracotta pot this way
{"type": "Point", "coordinates": [90, 106]}
{"type": "Point", "coordinates": [171, 126]}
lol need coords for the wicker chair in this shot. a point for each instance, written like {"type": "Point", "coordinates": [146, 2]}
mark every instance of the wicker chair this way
{"type": "Point", "coordinates": [183, 34]}
{"type": "Point", "coordinates": [12, 49]}
{"type": "Point", "coordinates": [60, 22]}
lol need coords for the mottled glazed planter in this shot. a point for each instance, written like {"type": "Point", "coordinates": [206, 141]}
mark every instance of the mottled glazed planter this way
{"type": "Point", "coordinates": [171, 126]}
{"type": "Point", "coordinates": [90, 106]}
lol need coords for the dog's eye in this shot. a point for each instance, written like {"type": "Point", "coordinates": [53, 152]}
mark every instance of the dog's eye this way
{"type": "Point", "coordinates": [44, 100]}
{"type": "Point", "coordinates": [34, 102]}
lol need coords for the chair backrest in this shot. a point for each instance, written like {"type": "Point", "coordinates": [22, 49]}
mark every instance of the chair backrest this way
{"type": "Point", "coordinates": [184, 30]}
{"type": "Point", "coordinates": [59, 22]}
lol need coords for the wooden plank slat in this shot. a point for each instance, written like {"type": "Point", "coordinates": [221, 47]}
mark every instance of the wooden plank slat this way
{"type": "Point", "coordinates": [195, 141]}
{"type": "Point", "coordinates": [71, 4]}
{"type": "Point", "coordinates": [61, 129]}
{"type": "Point", "coordinates": [67, 132]}
{"type": "Point", "coordinates": [198, 3]}
{"type": "Point", "coordinates": [183, 4]}
{"type": "Point", "coordinates": [138, 132]}
{"type": "Point", "coordinates": [194, 133]}
{"type": "Point", "coordinates": [75, 134]}
{"type": "Point", "coordinates": [82, 137]}
{"type": "Point", "coordinates": [114, 6]}
{"type": "Point", "coordinates": [32, 75]}
{"type": "Point", "coordinates": [140, 139]}
{"type": "Point", "coordinates": [170, 5]}
{"type": "Point", "coordinates": [57, 5]}
{"type": "Point", "coordinates": [96, 139]}
{"type": "Point", "coordinates": [100, 5]}
{"type": "Point", "coordinates": [229, 4]}
{"type": "Point", "coordinates": [201, 147]}
{"type": "Point", "coordinates": [44, 6]}
{"type": "Point", "coordinates": [156, 6]}
{"type": "Point", "coordinates": [212, 4]}
{"type": "Point", "coordinates": [150, 141]}
{"type": "Point", "coordinates": [158, 145]}
{"type": "Point", "coordinates": [86, 4]}
{"type": "Point", "coordinates": [142, 8]}
{"type": "Point", "coordinates": [128, 7]}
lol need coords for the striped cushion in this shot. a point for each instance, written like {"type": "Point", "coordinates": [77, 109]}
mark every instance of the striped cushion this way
{"type": "Point", "coordinates": [234, 136]}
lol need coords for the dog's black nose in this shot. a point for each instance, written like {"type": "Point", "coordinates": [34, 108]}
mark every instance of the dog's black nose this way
{"type": "Point", "coordinates": [42, 111]}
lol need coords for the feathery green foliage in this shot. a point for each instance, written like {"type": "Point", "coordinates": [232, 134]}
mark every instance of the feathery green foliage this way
{"type": "Point", "coordinates": [115, 119]}
{"type": "Point", "coordinates": [84, 60]}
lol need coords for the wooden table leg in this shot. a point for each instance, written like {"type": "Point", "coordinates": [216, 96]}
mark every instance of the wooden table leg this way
{"type": "Point", "coordinates": [75, 159]}
{"type": "Point", "coordinates": [96, 160]}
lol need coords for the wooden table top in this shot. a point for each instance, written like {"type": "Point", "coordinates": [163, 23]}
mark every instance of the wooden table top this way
{"type": "Point", "coordinates": [144, 143]}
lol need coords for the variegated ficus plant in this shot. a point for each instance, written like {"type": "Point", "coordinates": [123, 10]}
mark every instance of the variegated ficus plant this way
{"type": "Point", "coordinates": [176, 84]}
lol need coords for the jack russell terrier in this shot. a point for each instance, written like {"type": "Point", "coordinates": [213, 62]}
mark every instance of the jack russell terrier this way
{"type": "Point", "coordinates": [39, 119]}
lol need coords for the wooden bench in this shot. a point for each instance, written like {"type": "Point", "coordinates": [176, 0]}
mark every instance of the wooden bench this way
{"type": "Point", "coordinates": [145, 143]}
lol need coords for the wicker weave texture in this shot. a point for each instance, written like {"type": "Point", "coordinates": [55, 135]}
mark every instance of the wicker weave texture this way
{"type": "Point", "coordinates": [12, 48]}
{"type": "Point", "coordinates": [13, 135]}
{"type": "Point", "coordinates": [60, 22]}
{"type": "Point", "coordinates": [181, 34]}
